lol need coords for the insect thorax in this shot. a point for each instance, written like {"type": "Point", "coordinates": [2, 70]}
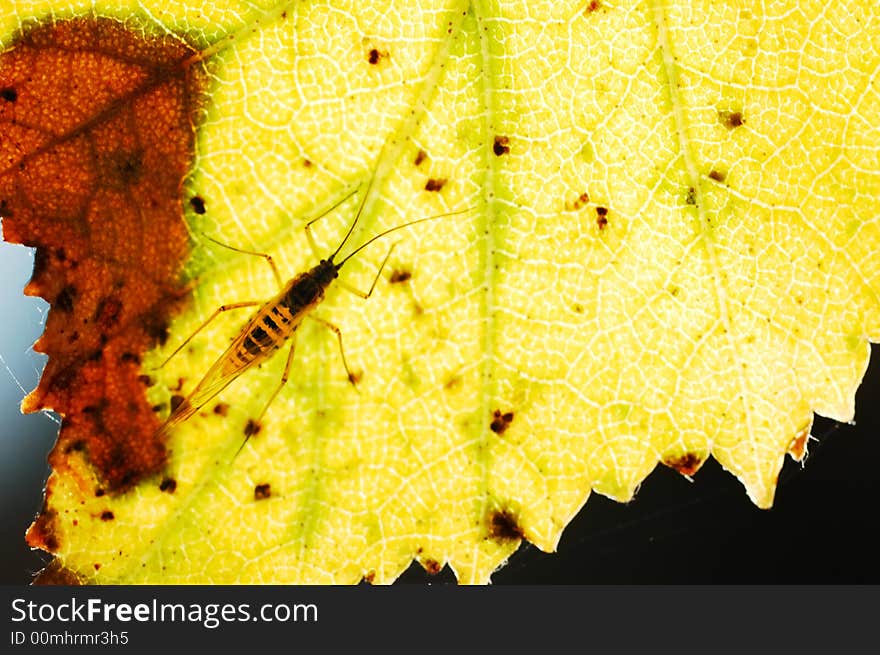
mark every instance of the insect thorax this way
{"type": "Point", "coordinates": [307, 289]}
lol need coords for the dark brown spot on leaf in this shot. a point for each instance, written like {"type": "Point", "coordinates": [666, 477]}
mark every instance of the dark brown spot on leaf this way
{"type": "Point", "coordinates": [578, 203]}
{"type": "Point", "coordinates": [176, 399]}
{"type": "Point", "coordinates": [435, 183]}
{"type": "Point", "coordinates": [198, 204]}
{"type": "Point", "coordinates": [500, 146]}
{"type": "Point", "coordinates": [43, 532]}
{"type": "Point", "coordinates": [691, 197]}
{"type": "Point", "coordinates": [399, 275]}
{"type": "Point", "coordinates": [76, 447]}
{"type": "Point", "coordinates": [718, 176]}
{"type": "Point", "coordinates": [9, 94]}
{"type": "Point", "coordinates": [431, 566]}
{"type": "Point", "coordinates": [594, 5]}
{"type": "Point", "coordinates": [602, 217]}
{"type": "Point", "coordinates": [64, 300]}
{"type": "Point", "coordinates": [686, 464]}
{"type": "Point", "coordinates": [221, 409]}
{"type": "Point", "coordinates": [63, 378]}
{"type": "Point", "coordinates": [421, 156]}
{"type": "Point", "coordinates": [120, 169]}
{"type": "Point", "coordinates": [730, 119]}
{"type": "Point", "coordinates": [107, 312]}
{"type": "Point", "coordinates": [168, 485]}
{"type": "Point", "coordinates": [369, 577]}
{"type": "Point", "coordinates": [500, 422]}
{"type": "Point", "coordinates": [156, 330]}
{"type": "Point", "coordinates": [107, 515]}
{"type": "Point", "coordinates": [373, 56]}
{"type": "Point", "coordinates": [262, 491]}
{"type": "Point", "coordinates": [503, 525]}
{"type": "Point", "coordinates": [251, 428]}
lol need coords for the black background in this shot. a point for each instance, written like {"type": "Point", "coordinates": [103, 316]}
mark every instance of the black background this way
{"type": "Point", "coordinates": [674, 531]}
{"type": "Point", "coordinates": [708, 532]}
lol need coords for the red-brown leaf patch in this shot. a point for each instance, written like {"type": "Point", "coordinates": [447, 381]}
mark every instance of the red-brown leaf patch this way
{"type": "Point", "coordinates": [96, 138]}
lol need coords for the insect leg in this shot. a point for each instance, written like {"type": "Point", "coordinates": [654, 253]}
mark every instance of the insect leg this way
{"type": "Point", "coordinates": [369, 293]}
{"type": "Point", "coordinates": [351, 376]}
{"type": "Point", "coordinates": [268, 258]}
{"type": "Point", "coordinates": [284, 377]}
{"type": "Point", "coordinates": [220, 310]}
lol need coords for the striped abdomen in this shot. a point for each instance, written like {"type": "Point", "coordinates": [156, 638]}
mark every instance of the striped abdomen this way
{"type": "Point", "coordinates": [278, 319]}
{"type": "Point", "coordinates": [266, 332]}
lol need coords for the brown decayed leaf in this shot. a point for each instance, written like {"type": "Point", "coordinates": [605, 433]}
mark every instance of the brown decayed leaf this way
{"type": "Point", "coordinates": [96, 137]}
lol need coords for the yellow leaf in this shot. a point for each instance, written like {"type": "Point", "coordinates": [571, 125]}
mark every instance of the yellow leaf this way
{"type": "Point", "coordinates": [673, 255]}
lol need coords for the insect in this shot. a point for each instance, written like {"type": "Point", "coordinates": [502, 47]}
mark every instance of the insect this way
{"type": "Point", "coordinates": [276, 321]}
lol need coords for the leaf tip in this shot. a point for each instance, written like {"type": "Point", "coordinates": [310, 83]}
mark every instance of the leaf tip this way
{"type": "Point", "coordinates": [687, 464]}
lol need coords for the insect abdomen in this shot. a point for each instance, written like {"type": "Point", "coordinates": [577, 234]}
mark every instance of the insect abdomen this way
{"type": "Point", "coordinates": [268, 331]}
{"type": "Point", "coordinates": [280, 317]}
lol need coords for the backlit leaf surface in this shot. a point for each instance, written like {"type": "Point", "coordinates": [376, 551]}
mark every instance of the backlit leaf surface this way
{"type": "Point", "coordinates": [672, 254]}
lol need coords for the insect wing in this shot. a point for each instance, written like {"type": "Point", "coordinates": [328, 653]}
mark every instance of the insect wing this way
{"type": "Point", "coordinates": [223, 372]}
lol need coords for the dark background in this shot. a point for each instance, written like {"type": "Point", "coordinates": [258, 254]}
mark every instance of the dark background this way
{"type": "Point", "coordinates": [674, 531]}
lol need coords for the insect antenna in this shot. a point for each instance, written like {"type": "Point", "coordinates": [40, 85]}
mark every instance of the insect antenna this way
{"type": "Point", "coordinates": [356, 216]}
{"type": "Point", "coordinates": [381, 234]}
{"type": "Point", "coordinates": [394, 229]}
